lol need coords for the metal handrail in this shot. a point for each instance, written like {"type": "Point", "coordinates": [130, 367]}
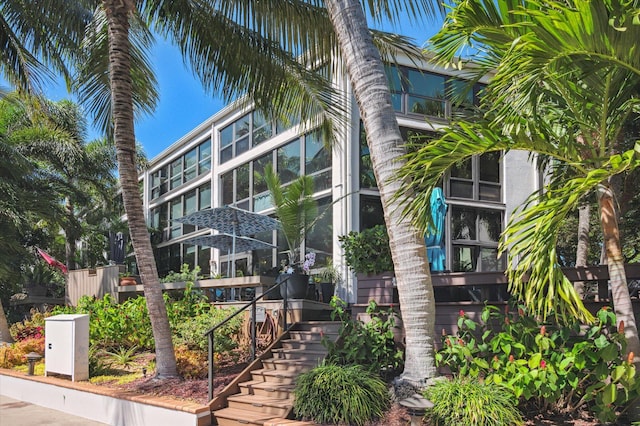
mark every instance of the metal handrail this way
{"type": "Point", "coordinates": [252, 304]}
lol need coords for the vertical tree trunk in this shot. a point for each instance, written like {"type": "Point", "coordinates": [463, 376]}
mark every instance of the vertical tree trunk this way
{"type": "Point", "coordinates": [366, 72]}
{"type": "Point", "coordinates": [117, 12]}
{"type": "Point", "coordinates": [617, 276]}
{"type": "Point", "coordinates": [5, 335]}
{"type": "Point", "coordinates": [582, 248]}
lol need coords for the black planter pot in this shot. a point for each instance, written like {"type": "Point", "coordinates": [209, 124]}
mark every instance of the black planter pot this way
{"type": "Point", "coordinates": [296, 285]}
{"type": "Point", "coordinates": [327, 289]}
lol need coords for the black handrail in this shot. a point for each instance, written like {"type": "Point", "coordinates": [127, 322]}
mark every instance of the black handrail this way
{"type": "Point", "coordinates": [252, 304]}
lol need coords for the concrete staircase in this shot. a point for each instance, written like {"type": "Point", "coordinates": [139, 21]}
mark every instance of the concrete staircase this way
{"type": "Point", "coordinates": [268, 396]}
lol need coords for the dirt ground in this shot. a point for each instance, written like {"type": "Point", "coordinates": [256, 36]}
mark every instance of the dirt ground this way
{"type": "Point", "coordinates": [196, 391]}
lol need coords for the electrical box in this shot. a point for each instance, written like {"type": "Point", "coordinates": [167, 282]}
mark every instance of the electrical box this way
{"type": "Point", "coordinates": [66, 346]}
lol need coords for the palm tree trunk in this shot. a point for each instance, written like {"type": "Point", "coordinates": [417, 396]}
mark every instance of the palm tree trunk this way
{"type": "Point", "coordinates": [117, 12]}
{"type": "Point", "coordinates": [582, 248]}
{"type": "Point", "coordinates": [617, 276]}
{"type": "Point", "coordinates": [408, 250]}
{"type": "Point", "coordinates": [5, 335]}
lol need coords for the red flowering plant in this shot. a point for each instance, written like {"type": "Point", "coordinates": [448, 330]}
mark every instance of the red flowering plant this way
{"type": "Point", "coordinates": [552, 367]}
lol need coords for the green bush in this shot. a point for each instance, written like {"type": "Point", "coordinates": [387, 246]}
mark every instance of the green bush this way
{"type": "Point", "coordinates": [191, 331]}
{"type": "Point", "coordinates": [334, 394]}
{"type": "Point", "coordinates": [370, 344]}
{"type": "Point", "coordinates": [367, 252]}
{"type": "Point", "coordinates": [114, 325]}
{"type": "Point", "coordinates": [552, 366]}
{"type": "Point", "coordinates": [464, 401]}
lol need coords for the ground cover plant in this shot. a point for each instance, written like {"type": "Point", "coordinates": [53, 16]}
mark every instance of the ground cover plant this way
{"type": "Point", "coordinates": [550, 367]}
{"type": "Point", "coordinates": [467, 401]}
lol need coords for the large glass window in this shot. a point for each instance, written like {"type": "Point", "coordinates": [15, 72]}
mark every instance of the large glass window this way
{"type": "Point", "coordinates": [425, 93]}
{"type": "Point", "coordinates": [289, 161]}
{"type": "Point", "coordinates": [204, 156]}
{"type": "Point", "coordinates": [175, 168]}
{"type": "Point", "coordinates": [475, 233]}
{"type": "Point", "coordinates": [261, 196]}
{"type": "Point", "coordinates": [477, 178]}
{"type": "Point", "coordinates": [317, 161]}
{"type": "Point", "coordinates": [158, 182]}
{"type": "Point", "coordinates": [248, 131]}
{"type": "Point", "coordinates": [191, 165]}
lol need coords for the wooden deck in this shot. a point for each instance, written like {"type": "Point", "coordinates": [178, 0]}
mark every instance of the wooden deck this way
{"type": "Point", "coordinates": [470, 292]}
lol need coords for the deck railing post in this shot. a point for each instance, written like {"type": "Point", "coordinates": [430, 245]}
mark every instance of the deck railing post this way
{"type": "Point", "coordinates": [211, 366]}
{"type": "Point", "coordinates": [253, 330]}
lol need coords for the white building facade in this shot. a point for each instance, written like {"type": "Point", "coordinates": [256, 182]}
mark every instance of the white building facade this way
{"type": "Point", "coordinates": [222, 162]}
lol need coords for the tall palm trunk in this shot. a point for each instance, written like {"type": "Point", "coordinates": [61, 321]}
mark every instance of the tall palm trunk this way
{"type": "Point", "coordinates": [5, 335]}
{"type": "Point", "coordinates": [617, 276]}
{"type": "Point", "coordinates": [582, 248]}
{"type": "Point", "coordinates": [408, 250]}
{"type": "Point", "coordinates": [117, 12]}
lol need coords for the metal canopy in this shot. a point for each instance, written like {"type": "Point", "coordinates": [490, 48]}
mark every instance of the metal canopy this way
{"type": "Point", "coordinates": [225, 242]}
{"type": "Point", "coordinates": [231, 220]}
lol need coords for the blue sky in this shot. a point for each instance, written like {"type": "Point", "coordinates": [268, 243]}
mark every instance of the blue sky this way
{"type": "Point", "coordinates": [183, 103]}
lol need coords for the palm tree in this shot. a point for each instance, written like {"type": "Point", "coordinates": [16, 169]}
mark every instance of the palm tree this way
{"type": "Point", "coordinates": [566, 81]}
{"type": "Point", "coordinates": [367, 76]}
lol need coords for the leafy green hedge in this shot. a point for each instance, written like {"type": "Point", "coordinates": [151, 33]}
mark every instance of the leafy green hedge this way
{"type": "Point", "coordinates": [552, 366]}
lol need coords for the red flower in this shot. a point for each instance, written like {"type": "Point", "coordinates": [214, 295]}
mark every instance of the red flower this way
{"type": "Point", "coordinates": [461, 313]}
{"type": "Point", "coordinates": [543, 364]}
{"type": "Point", "coordinates": [511, 359]}
{"type": "Point", "coordinates": [543, 330]}
{"type": "Point", "coordinates": [621, 327]}
{"type": "Point", "coordinates": [630, 358]}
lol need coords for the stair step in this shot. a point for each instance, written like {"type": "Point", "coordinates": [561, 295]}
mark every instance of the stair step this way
{"type": "Point", "coordinates": [262, 404]}
{"type": "Point", "coordinates": [270, 375]}
{"type": "Point", "coordinates": [271, 389]}
{"type": "Point", "coordinates": [330, 327]}
{"type": "Point", "coordinates": [236, 417]}
{"type": "Point", "coordinates": [310, 345]}
{"type": "Point", "coordinates": [289, 365]}
{"type": "Point", "coordinates": [300, 354]}
{"type": "Point", "coordinates": [313, 336]}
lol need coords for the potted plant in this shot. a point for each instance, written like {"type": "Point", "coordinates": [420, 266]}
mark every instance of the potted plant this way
{"type": "Point", "coordinates": [126, 278]}
{"type": "Point", "coordinates": [298, 212]}
{"type": "Point", "coordinates": [328, 277]}
{"type": "Point", "coordinates": [368, 254]}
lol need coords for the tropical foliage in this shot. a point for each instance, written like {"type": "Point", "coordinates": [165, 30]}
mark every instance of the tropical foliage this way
{"type": "Point", "coordinates": [552, 367]}
{"type": "Point", "coordinates": [564, 83]}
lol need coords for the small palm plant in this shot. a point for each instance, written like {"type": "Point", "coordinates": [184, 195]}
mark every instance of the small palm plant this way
{"type": "Point", "coordinates": [295, 208]}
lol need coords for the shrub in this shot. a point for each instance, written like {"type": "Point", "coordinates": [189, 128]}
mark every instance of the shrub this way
{"type": "Point", "coordinates": [32, 327]}
{"type": "Point", "coordinates": [191, 331]}
{"type": "Point", "coordinates": [336, 394]}
{"type": "Point", "coordinates": [367, 252]}
{"type": "Point", "coordinates": [15, 354]}
{"type": "Point", "coordinates": [555, 367]}
{"type": "Point", "coordinates": [464, 401]}
{"type": "Point", "coordinates": [368, 344]}
{"type": "Point", "coordinates": [191, 364]}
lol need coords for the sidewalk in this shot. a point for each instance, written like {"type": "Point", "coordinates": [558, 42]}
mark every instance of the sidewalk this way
{"type": "Point", "coordinates": [19, 413]}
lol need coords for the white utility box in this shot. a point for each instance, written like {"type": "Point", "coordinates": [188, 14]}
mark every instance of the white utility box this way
{"type": "Point", "coordinates": [66, 349]}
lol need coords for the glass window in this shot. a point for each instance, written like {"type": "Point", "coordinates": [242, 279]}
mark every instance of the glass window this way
{"type": "Point", "coordinates": [367, 177]}
{"type": "Point", "coordinates": [204, 194]}
{"type": "Point", "coordinates": [261, 196]}
{"type": "Point", "coordinates": [227, 188]}
{"type": "Point", "coordinates": [371, 213]}
{"type": "Point", "coordinates": [242, 182]}
{"type": "Point", "coordinates": [262, 129]}
{"type": "Point", "coordinates": [176, 212]}
{"type": "Point", "coordinates": [475, 235]}
{"type": "Point", "coordinates": [176, 174]}
{"type": "Point", "coordinates": [289, 161]}
{"type": "Point", "coordinates": [477, 178]}
{"type": "Point", "coordinates": [320, 237]}
{"type": "Point", "coordinates": [317, 156]}
{"type": "Point", "coordinates": [190, 165]}
{"type": "Point", "coordinates": [204, 255]}
{"type": "Point", "coordinates": [226, 136]}
{"type": "Point", "coordinates": [204, 157]}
